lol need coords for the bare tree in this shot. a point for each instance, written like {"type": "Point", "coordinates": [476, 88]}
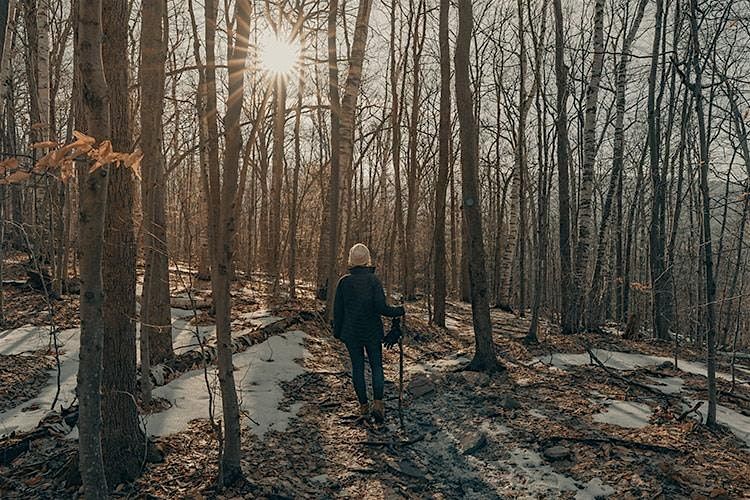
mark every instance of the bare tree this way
{"type": "Point", "coordinates": [92, 206]}
{"type": "Point", "coordinates": [484, 354]}
{"type": "Point", "coordinates": [156, 317]}
{"type": "Point", "coordinates": [439, 261]}
{"type": "Point", "coordinates": [122, 438]}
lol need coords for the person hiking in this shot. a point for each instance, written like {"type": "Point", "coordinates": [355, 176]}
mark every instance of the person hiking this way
{"type": "Point", "coordinates": [358, 306]}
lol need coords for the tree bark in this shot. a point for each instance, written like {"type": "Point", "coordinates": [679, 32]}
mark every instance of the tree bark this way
{"type": "Point", "coordinates": [658, 186]}
{"type": "Point", "coordinates": [484, 355]}
{"type": "Point", "coordinates": [156, 320]}
{"type": "Point", "coordinates": [277, 177]}
{"type": "Point", "coordinates": [563, 171]}
{"type": "Point", "coordinates": [122, 438]}
{"type": "Point", "coordinates": [706, 244]}
{"type": "Point", "coordinates": [222, 198]}
{"type": "Point", "coordinates": [585, 208]}
{"type": "Point", "coordinates": [92, 205]}
{"type": "Point", "coordinates": [441, 188]}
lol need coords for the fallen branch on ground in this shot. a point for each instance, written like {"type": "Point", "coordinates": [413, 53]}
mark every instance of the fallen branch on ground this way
{"type": "Point", "coordinates": [694, 409]}
{"type": "Point", "coordinates": [628, 381]}
{"type": "Point", "coordinates": [405, 442]}
{"type": "Point", "coordinates": [613, 440]}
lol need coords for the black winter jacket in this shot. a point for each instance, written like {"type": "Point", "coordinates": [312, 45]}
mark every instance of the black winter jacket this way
{"type": "Point", "coordinates": [358, 307]}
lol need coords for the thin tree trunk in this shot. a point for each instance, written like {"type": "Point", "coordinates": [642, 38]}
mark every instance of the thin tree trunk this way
{"type": "Point", "coordinates": [484, 355]}
{"type": "Point", "coordinates": [706, 244]}
{"type": "Point", "coordinates": [595, 312]}
{"type": "Point", "coordinates": [439, 261]}
{"type": "Point", "coordinates": [567, 296]}
{"type": "Point", "coordinates": [223, 195]}
{"type": "Point", "coordinates": [334, 180]}
{"type": "Point", "coordinates": [156, 320]}
{"type": "Point", "coordinates": [277, 176]}
{"type": "Point", "coordinates": [659, 287]}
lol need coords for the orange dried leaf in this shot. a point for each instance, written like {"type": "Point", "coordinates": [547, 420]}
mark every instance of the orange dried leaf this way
{"type": "Point", "coordinates": [9, 164]}
{"type": "Point", "coordinates": [67, 170]}
{"type": "Point", "coordinates": [133, 162]}
{"type": "Point", "coordinates": [83, 138]}
{"type": "Point", "coordinates": [44, 145]}
{"type": "Point", "coordinates": [16, 177]}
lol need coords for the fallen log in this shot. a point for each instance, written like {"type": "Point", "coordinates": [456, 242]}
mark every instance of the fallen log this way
{"type": "Point", "coordinates": [628, 381]}
{"type": "Point", "coordinates": [612, 440]}
{"type": "Point", "coordinates": [14, 446]}
{"type": "Point", "coordinates": [164, 372]}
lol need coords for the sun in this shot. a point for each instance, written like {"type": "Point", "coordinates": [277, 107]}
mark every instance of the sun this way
{"type": "Point", "coordinates": [279, 56]}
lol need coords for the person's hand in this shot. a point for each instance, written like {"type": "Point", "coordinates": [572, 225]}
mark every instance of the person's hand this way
{"type": "Point", "coordinates": [394, 334]}
{"type": "Point", "coordinates": [336, 334]}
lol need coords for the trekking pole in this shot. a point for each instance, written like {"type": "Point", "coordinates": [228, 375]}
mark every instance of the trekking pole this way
{"type": "Point", "coordinates": [401, 376]}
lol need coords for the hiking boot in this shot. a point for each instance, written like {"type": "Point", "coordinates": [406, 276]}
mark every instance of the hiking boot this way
{"type": "Point", "coordinates": [378, 411]}
{"type": "Point", "coordinates": [364, 410]}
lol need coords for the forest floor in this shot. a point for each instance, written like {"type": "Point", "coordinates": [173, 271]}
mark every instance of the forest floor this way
{"type": "Point", "coordinates": [559, 423]}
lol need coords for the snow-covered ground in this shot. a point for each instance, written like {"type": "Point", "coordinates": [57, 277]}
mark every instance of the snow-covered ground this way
{"type": "Point", "coordinates": [258, 373]}
{"type": "Point", "coordinates": [25, 339]}
{"type": "Point", "coordinates": [634, 415]}
{"type": "Point", "coordinates": [260, 369]}
{"type": "Point", "coordinates": [627, 361]}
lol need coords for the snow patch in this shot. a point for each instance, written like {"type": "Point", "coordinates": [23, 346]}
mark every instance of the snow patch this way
{"type": "Point", "coordinates": [540, 480]}
{"type": "Point", "coordinates": [439, 365]}
{"type": "Point", "coordinates": [738, 423]}
{"type": "Point", "coordinates": [625, 361]}
{"type": "Point", "coordinates": [667, 385]}
{"type": "Point", "coordinates": [625, 414]}
{"type": "Point", "coordinates": [26, 416]}
{"type": "Point", "coordinates": [258, 373]}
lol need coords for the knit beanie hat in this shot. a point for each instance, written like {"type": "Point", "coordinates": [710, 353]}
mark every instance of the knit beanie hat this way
{"type": "Point", "coordinates": [359, 256]}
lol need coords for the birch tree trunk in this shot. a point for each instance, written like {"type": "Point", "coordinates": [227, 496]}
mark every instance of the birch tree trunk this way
{"type": "Point", "coordinates": [92, 206]}
{"type": "Point", "coordinates": [277, 177]}
{"type": "Point", "coordinates": [594, 317]}
{"type": "Point", "coordinates": [43, 91]}
{"type": "Point", "coordinates": [7, 35]}
{"type": "Point", "coordinates": [585, 209]}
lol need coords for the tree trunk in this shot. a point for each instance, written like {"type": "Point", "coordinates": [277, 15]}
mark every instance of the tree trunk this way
{"type": "Point", "coordinates": [222, 198]}
{"type": "Point", "coordinates": [7, 35]}
{"type": "Point", "coordinates": [92, 205]}
{"type": "Point", "coordinates": [585, 210]}
{"type": "Point", "coordinates": [484, 355]}
{"type": "Point", "coordinates": [563, 171]}
{"type": "Point", "coordinates": [334, 181]}
{"type": "Point", "coordinates": [122, 439]}
{"type": "Point", "coordinates": [294, 213]}
{"type": "Point", "coordinates": [658, 186]}
{"type": "Point", "coordinates": [595, 313]}
{"type": "Point", "coordinates": [342, 126]}
{"type": "Point", "coordinates": [441, 188]}
{"type": "Point", "coordinates": [156, 320]}
{"type": "Point", "coordinates": [277, 177]}
{"type": "Point", "coordinates": [706, 244]}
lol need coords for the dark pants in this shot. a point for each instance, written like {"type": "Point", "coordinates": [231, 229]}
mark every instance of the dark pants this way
{"type": "Point", "coordinates": [375, 356]}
